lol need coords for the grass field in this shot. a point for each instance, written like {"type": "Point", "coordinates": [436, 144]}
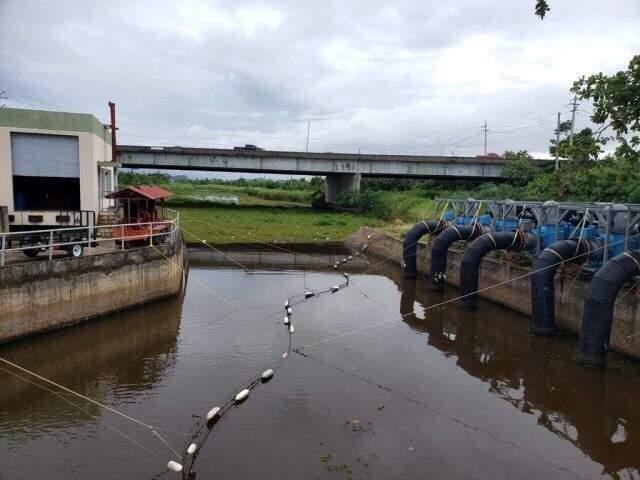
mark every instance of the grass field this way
{"type": "Point", "coordinates": [191, 193]}
{"type": "Point", "coordinates": [228, 224]}
{"type": "Point", "coordinates": [228, 213]}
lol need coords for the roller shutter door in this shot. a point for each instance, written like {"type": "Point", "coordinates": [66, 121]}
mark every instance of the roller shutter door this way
{"type": "Point", "coordinates": [37, 155]}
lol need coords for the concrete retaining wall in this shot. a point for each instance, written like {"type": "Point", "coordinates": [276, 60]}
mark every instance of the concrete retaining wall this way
{"type": "Point", "coordinates": [516, 294]}
{"type": "Point", "coordinates": [40, 296]}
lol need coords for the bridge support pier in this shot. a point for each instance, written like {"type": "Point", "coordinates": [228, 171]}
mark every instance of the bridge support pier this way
{"type": "Point", "coordinates": [336, 183]}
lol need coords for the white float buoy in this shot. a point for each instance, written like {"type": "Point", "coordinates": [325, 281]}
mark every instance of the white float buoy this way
{"type": "Point", "coordinates": [286, 304]}
{"type": "Point", "coordinates": [267, 375]}
{"type": "Point", "coordinates": [286, 320]}
{"type": "Point", "coordinates": [242, 395]}
{"type": "Point", "coordinates": [335, 288]}
{"type": "Point", "coordinates": [308, 294]}
{"type": "Point", "coordinates": [350, 257]}
{"type": "Point", "coordinates": [369, 237]}
{"type": "Point", "coordinates": [284, 355]}
{"type": "Point", "coordinates": [192, 449]}
{"type": "Point", "coordinates": [291, 329]}
{"type": "Point", "coordinates": [335, 266]}
{"type": "Point", "coordinates": [174, 466]}
{"type": "Point", "coordinates": [346, 275]}
{"type": "Point", "coordinates": [289, 310]}
{"type": "Point", "coordinates": [211, 414]}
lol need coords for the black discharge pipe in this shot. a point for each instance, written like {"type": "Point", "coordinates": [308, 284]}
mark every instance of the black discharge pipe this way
{"type": "Point", "coordinates": [410, 244]}
{"type": "Point", "coordinates": [543, 292]}
{"type": "Point", "coordinates": [598, 306]}
{"type": "Point", "coordinates": [440, 249]}
{"type": "Point", "coordinates": [473, 255]}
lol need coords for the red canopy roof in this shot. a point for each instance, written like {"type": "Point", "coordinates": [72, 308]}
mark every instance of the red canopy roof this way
{"type": "Point", "coordinates": [150, 192]}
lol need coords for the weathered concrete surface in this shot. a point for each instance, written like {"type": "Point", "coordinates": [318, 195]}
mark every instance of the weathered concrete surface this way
{"type": "Point", "coordinates": [510, 286]}
{"type": "Point", "coordinates": [40, 296]}
{"type": "Point", "coordinates": [337, 183]}
{"type": "Point", "coordinates": [312, 163]}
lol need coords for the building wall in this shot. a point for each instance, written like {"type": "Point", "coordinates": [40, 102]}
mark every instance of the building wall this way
{"type": "Point", "coordinates": [94, 145]}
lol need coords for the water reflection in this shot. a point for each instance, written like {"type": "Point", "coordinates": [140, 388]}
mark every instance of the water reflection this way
{"type": "Point", "coordinates": [112, 357]}
{"type": "Point", "coordinates": [596, 410]}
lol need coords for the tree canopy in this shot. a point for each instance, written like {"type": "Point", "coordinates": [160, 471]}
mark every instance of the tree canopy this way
{"type": "Point", "coordinates": [616, 106]}
{"type": "Point", "coordinates": [542, 7]}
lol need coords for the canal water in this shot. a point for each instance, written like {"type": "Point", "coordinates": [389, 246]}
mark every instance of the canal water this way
{"type": "Point", "coordinates": [410, 394]}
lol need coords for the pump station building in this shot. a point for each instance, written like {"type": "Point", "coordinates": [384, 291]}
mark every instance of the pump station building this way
{"type": "Point", "coordinates": [55, 169]}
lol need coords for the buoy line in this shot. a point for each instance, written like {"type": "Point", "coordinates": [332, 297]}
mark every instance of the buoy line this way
{"type": "Point", "coordinates": [191, 450]}
{"type": "Point", "coordinates": [205, 424]}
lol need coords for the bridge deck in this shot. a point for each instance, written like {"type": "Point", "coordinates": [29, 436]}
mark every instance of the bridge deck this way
{"type": "Point", "coordinates": [311, 163]}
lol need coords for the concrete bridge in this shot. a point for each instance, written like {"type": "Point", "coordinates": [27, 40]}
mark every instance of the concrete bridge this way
{"type": "Point", "coordinates": [342, 170]}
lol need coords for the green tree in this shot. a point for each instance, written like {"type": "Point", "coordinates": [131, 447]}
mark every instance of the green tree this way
{"type": "Point", "coordinates": [616, 106]}
{"type": "Point", "coordinates": [542, 7]}
{"type": "Point", "coordinates": [520, 170]}
{"type": "Point", "coordinates": [585, 147]}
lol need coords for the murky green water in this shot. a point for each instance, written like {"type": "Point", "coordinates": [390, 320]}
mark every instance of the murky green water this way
{"type": "Point", "coordinates": [437, 394]}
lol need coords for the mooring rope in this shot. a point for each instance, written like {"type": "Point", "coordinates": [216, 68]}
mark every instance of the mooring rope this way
{"type": "Point", "coordinates": [137, 421]}
{"type": "Point", "coordinates": [459, 297]}
{"type": "Point", "coordinates": [144, 447]}
{"type": "Point", "coordinates": [233, 260]}
{"type": "Point", "coordinates": [203, 285]}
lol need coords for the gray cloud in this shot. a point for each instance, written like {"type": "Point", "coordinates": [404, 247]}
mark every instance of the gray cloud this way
{"type": "Point", "coordinates": [403, 76]}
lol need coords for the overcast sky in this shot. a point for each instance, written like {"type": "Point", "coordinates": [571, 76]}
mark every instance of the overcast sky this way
{"type": "Point", "coordinates": [411, 76]}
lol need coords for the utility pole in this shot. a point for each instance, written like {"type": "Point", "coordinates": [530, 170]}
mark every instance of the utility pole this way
{"type": "Point", "coordinates": [574, 106]}
{"type": "Point", "coordinates": [484, 130]}
{"type": "Point", "coordinates": [308, 129]}
{"type": "Point", "coordinates": [558, 143]}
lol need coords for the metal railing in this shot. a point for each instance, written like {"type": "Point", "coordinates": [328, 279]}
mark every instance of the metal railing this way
{"type": "Point", "coordinates": [166, 228]}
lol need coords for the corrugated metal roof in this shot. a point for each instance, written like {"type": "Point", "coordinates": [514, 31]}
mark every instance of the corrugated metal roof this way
{"type": "Point", "coordinates": [150, 192]}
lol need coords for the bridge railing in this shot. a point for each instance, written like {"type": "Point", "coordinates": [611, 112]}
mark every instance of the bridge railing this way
{"type": "Point", "coordinates": [165, 230]}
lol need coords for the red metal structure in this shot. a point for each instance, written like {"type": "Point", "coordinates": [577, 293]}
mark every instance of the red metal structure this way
{"type": "Point", "coordinates": [139, 206]}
